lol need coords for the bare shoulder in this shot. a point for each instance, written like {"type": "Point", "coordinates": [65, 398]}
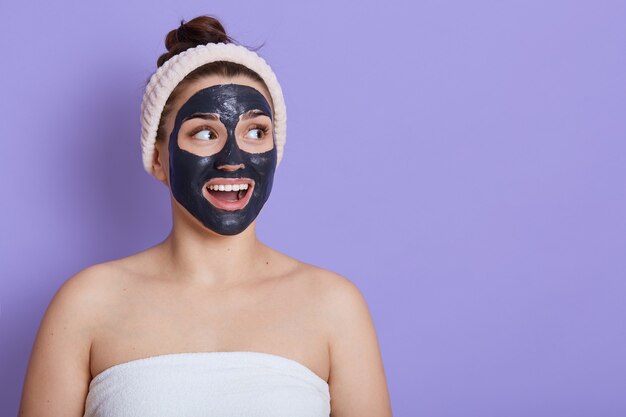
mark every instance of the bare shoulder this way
{"type": "Point", "coordinates": [88, 281]}
{"type": "Point", "coordinates": [86, 291]}
{"type": "Point", "coordinates": [58, 374]}
{"type": "Point", "coordinates": [103, 279]}
{"type": "Point", "coordinates": [337, 293]}
{"type": "Point", "coordinates": [357, 378]}
{"type": "Point", "coordinates": [344, 303]}
{"type": "Point", "coordinates": [341, 303]}
{"type": "Point", "coordinates": [76, 308]}
{"type": "Point", "coordinates": [77, 300]}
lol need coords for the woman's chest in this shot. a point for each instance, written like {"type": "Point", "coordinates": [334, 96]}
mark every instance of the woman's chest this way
{"type": "Point", "coordinates": [150, 321]}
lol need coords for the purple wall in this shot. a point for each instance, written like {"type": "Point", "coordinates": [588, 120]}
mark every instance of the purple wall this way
{"type": "Point", "coordinates": [462, 162]}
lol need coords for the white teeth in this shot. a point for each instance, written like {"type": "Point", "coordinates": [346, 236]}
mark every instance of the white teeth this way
{"type": "Point", "coordinates": [228, 187]}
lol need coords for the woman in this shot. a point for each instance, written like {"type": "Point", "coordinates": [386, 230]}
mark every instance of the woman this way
{"type": "Point", "coordinates": [210, 321]}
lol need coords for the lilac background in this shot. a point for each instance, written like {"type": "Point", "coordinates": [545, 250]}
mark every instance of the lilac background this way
{"type": "Point", "coordinates": [462, 162]}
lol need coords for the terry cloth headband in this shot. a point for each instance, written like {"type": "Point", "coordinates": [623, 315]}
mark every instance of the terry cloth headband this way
{"type": "Point", "coordinates": [168, 75]}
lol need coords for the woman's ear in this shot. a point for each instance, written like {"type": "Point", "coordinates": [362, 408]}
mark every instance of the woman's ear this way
{"type": "Point", "coordinates": [157, 164]}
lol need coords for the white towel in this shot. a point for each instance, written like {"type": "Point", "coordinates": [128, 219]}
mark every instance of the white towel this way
{"type": "Point", "coordinates": [203, 384]}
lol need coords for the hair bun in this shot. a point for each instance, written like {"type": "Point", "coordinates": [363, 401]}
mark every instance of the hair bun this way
{"type": "Point", "coordinates": [198, 31]}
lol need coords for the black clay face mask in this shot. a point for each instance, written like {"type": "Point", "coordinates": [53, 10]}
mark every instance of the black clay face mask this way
{"type": "Point", "coordinates": [190, 173]}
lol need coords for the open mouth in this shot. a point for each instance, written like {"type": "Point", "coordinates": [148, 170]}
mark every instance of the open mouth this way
{"type": "Point", "coordinates": [229, 193]}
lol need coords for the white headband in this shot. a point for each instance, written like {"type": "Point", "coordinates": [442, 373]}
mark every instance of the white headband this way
{"type": "Point", "coordinates": [168, 75]}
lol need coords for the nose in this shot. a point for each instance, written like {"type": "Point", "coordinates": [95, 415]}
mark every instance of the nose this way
{"type": "Point", "coordinates": [231, 167]}
{"type": "Point", "coordinates": [229, 158]}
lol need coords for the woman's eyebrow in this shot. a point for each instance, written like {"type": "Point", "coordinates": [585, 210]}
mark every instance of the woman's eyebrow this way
{"type": "Point", "coordinates": [253, 113]}
{"type": "Point", "coordinates": [206, 116]}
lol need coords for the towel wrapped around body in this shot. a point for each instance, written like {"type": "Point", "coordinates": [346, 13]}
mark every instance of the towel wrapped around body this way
{"type": "Point", "coordinates": [203, 384]}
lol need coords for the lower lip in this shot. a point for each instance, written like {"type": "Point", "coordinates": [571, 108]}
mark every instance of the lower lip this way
{"type": "Point", "coordinates": [229, 205]}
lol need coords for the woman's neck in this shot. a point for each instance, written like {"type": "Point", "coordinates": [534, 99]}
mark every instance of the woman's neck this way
{"type": "Point", "coordinates": [200, 256]}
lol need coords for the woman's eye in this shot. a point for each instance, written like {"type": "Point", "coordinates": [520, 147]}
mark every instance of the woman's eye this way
{"type": "Point", "coordinates": [257, 133]}
{"type": "Point", "coordinates": [204, 134]}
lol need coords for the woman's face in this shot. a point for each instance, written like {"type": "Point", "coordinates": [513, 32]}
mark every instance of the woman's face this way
{"type": "Point", "coordinates": [219, 156]}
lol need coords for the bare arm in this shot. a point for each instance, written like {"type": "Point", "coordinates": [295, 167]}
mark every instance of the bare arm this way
{"type": "Point", "coordinates": [58, 375]}
{"type": "Point", "coordinates": [358, 386]}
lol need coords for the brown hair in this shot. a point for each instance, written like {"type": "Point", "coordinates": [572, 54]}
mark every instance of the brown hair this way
{"type": "Point", "coordinates": [199, 31]}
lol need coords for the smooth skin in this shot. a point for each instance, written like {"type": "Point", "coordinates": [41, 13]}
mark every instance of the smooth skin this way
{"type": "Point", "coordinates": [201, 291]}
